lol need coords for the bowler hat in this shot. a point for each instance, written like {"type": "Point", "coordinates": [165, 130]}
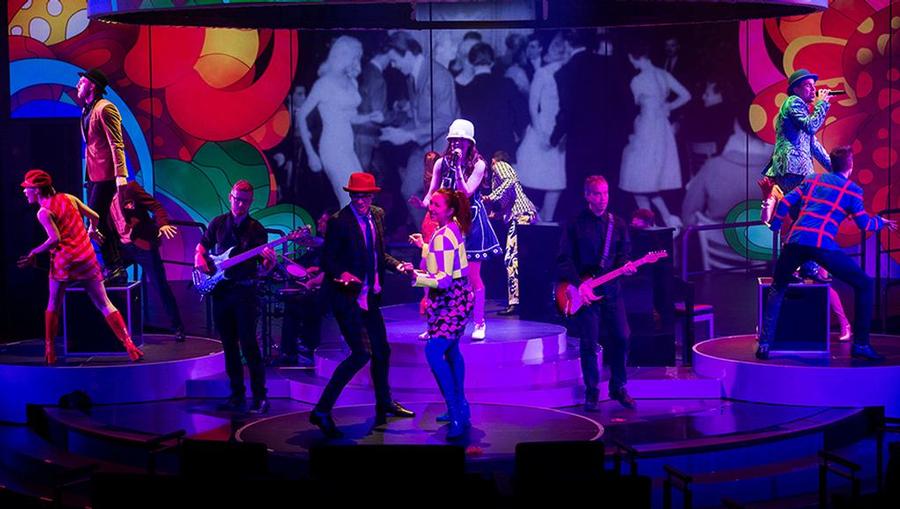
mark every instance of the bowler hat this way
{"type": "Point", "coordinates": [362, 183]}
{"type": "Point", "coordinates": [96, 77]}
{"type": "Point", "coordinates": [798, 76]}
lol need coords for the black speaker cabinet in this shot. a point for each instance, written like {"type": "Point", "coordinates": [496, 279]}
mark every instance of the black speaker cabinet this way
{"type": "Point", "coordinates": [538, 247]}
{"type": "Point", "coordinates": [85, 330]}
{"type": "Point", "coordinates": [803, 323]}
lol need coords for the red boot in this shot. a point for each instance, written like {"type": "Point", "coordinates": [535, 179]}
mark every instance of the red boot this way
{"type": "Point", "coordinates": [51, 325]}
{"type": "Point", "coordinates": [117, 324]}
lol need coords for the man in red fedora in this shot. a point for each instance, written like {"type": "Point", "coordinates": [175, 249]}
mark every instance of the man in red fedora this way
{"type": "Point", "coordinates": [354, 263]}
{"type": "Point", "coordinates": [104, 154]}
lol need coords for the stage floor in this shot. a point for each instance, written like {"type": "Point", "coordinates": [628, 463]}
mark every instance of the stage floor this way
{"type": "Point", "coordinates": [655, 427]}
{"type": "Point", "coordinates": [156, 347]}
{"type": "Point", "coordinates": [743, 348]}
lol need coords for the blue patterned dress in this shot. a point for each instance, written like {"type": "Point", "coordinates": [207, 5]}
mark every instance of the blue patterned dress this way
{"type": "Point", "coordinates": [481, 241]}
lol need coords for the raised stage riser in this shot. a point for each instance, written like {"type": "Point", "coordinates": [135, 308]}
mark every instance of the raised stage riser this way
{"type": "Point", "coordinates": [789, 379]}
{"type": "Point", "coordinates": [487, 353]}
{"type": "Point", "coordinates": [497, 376]}
{"type": "Point", "coordinates": [121, 383]}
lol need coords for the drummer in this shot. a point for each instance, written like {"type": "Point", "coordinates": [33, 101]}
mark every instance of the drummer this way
{"type": "Point", "coordinates": [303, 306]}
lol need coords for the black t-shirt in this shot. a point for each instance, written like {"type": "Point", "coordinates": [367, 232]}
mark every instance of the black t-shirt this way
{"type": "Point", "coordinates": [224, 233]}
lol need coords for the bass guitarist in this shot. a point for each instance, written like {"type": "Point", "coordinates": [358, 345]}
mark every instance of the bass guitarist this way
{"type": "Point", "coordinates": [234, 299]}
{"type": "Point", "coordinates": [591, 244]}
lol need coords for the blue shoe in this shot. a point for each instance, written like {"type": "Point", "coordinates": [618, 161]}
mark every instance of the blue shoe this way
{"type": "Point", "coordinates": [865, 352]}
{"type": "Point", "coordinates": [466, 413]}
{"type": "Point", "coordinates": [455, 431]}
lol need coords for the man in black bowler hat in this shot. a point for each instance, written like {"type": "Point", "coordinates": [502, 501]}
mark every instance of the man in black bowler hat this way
{"type": "Point", "coordinates": [104, 154]}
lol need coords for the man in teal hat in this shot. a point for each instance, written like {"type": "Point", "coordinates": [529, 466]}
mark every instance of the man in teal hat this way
{"type": "Point", "coordinates": [796, 144]}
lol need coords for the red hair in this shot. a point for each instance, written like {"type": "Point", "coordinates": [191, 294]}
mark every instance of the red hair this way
{"type": "Point", "coordinates": [457, 201]}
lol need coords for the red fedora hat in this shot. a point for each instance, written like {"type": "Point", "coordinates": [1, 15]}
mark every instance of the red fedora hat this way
{"type": "Point", "coordinates": [362, 183]}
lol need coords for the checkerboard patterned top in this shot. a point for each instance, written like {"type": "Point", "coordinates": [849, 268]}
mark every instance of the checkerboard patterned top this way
{"type": "Point", "coordinates": [445, 258]}
{"type": "Point", "coordinates": [826, 200]}
{"type": "Point", "coordinates": [507, 190]}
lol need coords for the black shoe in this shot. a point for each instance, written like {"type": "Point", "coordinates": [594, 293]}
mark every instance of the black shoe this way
{"type": "Point", "coordinates": [393, 409]}
{"type": "Point", "coordinates": [590, 405]}
{"type": "Point", "coordinates": [259, 406]}
{"type": "Point", "coordinates": [326, 424]}
{"type": "Point", "coordinates": [762, 351]}
{"type": "Point", "coordinates": [179, 335]}
{"type": "Point", "coordinates": [512, 309]}
{"type": "Point", "coordinates": [115, 276]}
{"type": "Point", "coordinates": [234, 404]}
{"type": "Point", "coordinates": [865, 352]}
{"type": "Point", "coordinates": [624, 399]}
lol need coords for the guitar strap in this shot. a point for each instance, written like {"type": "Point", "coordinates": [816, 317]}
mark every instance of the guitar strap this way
{"type": "Point", "coordinates": [604, 260]}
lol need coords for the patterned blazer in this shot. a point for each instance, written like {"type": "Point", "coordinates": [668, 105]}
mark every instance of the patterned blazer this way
{"type": "Point", "coordinates": [795, 139]}
{"type": "Point", "coordinates": [508, 192]}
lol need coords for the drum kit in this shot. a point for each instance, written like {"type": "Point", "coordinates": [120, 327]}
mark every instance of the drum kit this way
{"type": "Point", "coordinates": [288, 282]}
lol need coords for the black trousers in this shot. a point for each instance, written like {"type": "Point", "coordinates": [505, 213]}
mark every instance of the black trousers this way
{"type": "Point", "coordinates": [100, 195]}
{"type": "Point", "coordinates": [235, 314]}
{"type": "Point", "coordinates": [608, 314]}
{"type": "Point", "coordinates": [154, 278]}
{"type": "Point", "coordinates": [841, 266]}
{"type": "Point", "coordinates": [366, 335]}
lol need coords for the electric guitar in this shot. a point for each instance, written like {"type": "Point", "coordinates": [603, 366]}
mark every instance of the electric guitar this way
{"type": "Point", "coordinates": [205, 283]}
{"type": "Point", "coordinates": [568, 299]}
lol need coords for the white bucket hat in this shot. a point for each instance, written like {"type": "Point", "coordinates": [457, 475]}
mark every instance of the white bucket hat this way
{"type": "Point", "coordinates": [462, 128]}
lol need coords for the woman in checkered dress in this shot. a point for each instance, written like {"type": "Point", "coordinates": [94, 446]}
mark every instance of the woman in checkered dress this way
{"type": "Point", "coordinates": [450, 301]}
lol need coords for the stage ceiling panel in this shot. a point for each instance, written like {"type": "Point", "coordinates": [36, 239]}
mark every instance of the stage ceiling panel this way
{"type": "Point", "coordinates": [440, 14]}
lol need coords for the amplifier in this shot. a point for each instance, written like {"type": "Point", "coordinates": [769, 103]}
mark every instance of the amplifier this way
{"type": "Point", "coordinates": [85, 331]}
{"type": "Point", "coordinates": [803, 324]}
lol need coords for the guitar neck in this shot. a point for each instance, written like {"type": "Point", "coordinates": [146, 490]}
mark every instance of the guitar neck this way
{"type": "Point", "coordinates": [246, 255]}
{"type": "Point", "coordinates": [609, 276]}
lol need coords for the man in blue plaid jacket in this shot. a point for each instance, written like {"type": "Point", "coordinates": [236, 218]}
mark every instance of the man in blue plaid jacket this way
{"type": "Point", "coordinates": [825, 200]}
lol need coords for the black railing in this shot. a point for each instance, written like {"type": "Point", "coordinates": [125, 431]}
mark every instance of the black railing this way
{"type": "Point", "coordinates": [880, 287]}
{"type": "Point", "coordinates": [861, 254]}
{"type": "Point", "coordinates": [685, 242]}
{"type": "Point", "coordinates": [202, 227]}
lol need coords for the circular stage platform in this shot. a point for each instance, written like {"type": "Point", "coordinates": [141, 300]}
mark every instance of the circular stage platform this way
{"type": "Point", "coordinates": [519, 362]}
{"type": "Point", "coordinates": [496, 429]}
{"type": "Point", "coordinates": [107, 379]}
{"type": "Point", "coordinates": [834, 379]}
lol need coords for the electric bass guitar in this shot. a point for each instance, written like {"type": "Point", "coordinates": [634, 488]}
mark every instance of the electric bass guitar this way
{"type": "Point", "coordinates": [568, 299]}
{"type": "Point", "coordinates": [205, 283]}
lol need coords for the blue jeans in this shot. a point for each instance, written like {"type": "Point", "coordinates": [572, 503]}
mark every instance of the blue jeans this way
{"type": "Point", "coordinates": [841, 266]}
